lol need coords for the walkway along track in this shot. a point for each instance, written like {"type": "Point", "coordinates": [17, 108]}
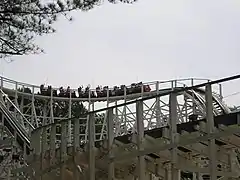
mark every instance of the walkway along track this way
{"type": "Point", "coordinates": [203, 147]}
{"type": "Point", "coordinates": [15, 122]}
{"type": "Point", "coordinates": [15, 142]}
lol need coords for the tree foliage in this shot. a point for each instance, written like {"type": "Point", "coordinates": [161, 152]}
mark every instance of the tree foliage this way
{"type": "Point", "coordinates": [21, 21]}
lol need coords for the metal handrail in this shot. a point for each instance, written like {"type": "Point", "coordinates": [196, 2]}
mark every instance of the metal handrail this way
{"type": "Point", "coordinates": [178, 81]}
{"type": "Point", "coordinates": [25, 119]}
{"type": "Point", "coordinates": [11, 118]}
{"type": "Point", "coordinates": [178, 90]}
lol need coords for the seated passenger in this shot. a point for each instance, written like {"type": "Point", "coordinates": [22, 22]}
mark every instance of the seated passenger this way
{"type": "Point", "coordinates": [132, 88]}
{"type": "Point", "coordinates": [80, 92]}
{"type": "Point", "coordinates": [122, 90]}
{"type": "Point", "coordinates": [42, 89]}
{"type": "Point", "coordinates": [48, 92]}
{"type": "Point", "coordinates": [98, 91]}
{"type": "Point", "coordinates": [73, 94]}
{"type": "Point", "coordinates": [61, 92]}
{"type": "Point", "coordinates": [146, 88]}
{"type": "Point", "coordinates": [105, 91]}
{"type": "Point", "coordinates": [49, 89]}
{"type": "Point", "coordinates": [27, 90]}
{"type": "Point", "coordinates": [139, 87]}
{"type": "Point", "coordinates": [117, 91]}
{"type": "Point", "coordinates": [68, 89]}
{"type": "Point", "coordinates": [54, 93]}
{"type": "Point", "coordinates": [86, 93]}
{"type": "Point", "coordinates": [114, 93]}
{"type": "Point", "coordinates": [68, 92]}
{"type": "Point", "coordinates": [92, 94]}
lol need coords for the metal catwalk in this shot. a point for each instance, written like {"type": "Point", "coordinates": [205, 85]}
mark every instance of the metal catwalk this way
{"type": "Point", "coordinates": [178, 129]}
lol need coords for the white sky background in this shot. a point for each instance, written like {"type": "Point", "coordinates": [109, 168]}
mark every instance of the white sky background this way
{"type": "Point", "coordinates": [150, 40]}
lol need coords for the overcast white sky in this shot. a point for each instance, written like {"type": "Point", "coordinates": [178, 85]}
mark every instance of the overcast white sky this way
{"type": "Point", "coordinates": [150, 40]}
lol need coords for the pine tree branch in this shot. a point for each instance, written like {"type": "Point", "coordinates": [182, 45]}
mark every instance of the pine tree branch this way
{"type": "Point", "coordinates": [10, 53]}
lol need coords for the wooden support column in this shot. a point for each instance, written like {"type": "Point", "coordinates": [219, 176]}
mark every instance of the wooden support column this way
{"type": "Point", "coordinates": [36, 153]}
{"type": "Point", "coordinates": [210, 129]}
{"type": "Point", "coordinates": [69, 133]}
{"type": "Point", "coordinates": [110, 136]}
{"type": "Point", "coordinates": [76, 145]}
{"type": "Point", "coordinates": [231, 158]}
{"type": "Point", "coordinates": [53, 144]}
{"type": "Point", "coordinates": [91, 146]}
{"type": "Point", "coordinates": [140, 138]}
{"type": "Point", "coordinates": [63, 148]}
{"type": "Point", "coordinates": [44, 148]}
{"type": "Point", "coordinates": [158, 107]}
{"type": "Point", "coordinates": [175, 173]}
